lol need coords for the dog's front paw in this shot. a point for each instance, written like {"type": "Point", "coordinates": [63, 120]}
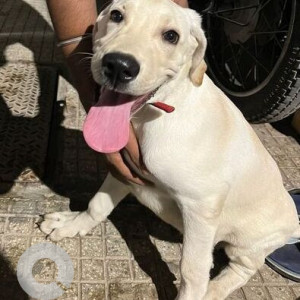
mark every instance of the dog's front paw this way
{"type": "Point", "coordinates": [59, 225]}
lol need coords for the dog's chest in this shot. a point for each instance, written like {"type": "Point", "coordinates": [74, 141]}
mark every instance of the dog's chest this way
{"type": "Point", "coordinates": [166, 153]}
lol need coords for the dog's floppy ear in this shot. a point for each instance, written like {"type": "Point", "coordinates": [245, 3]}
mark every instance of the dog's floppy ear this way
{"type": "Point", "coordinates": [198, 73]}
{"type": "Point", "coordinates": [198, 66]}
{"type": "Point", "coordinates": [100, 27]}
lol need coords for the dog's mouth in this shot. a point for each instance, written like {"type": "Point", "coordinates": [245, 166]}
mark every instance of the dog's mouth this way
{"type": "Point", "coordinates": [106, 128]}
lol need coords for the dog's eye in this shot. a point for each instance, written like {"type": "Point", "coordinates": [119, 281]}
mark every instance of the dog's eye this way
{"type": "Point", "coordinates": [116, 16]}
{"type": "Point", "coordinates": [171, 36]}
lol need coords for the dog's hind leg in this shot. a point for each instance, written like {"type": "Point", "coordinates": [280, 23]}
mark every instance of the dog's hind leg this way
{"type": "Point", "coordinates": [67, 224]}
{"type": "Point", "coordinates": [201, 217]}
{"type": "Point", "coordinates": [239, 270]}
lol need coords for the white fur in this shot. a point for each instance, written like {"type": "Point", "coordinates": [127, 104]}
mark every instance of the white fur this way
{"type": "Point", "coordinates": [214, 180]}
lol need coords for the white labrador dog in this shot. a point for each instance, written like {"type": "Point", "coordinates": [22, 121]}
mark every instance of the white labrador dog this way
{"type": "Point", "coordinates": [213, 179]}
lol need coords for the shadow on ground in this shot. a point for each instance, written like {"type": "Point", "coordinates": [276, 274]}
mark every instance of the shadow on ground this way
{"type": "Point", "coordinates": [284, 126]}
{"type": "Point", "coordinates": [9, 287]}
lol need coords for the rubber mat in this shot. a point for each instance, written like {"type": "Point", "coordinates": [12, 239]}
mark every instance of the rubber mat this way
{"type": "Point", "coordinates": [26, 99]}
{"type": "Point", "coordinates": [26, 32]}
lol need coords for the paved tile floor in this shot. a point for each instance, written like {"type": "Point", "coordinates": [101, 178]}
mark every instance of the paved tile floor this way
{"type": "Point", "coordinates": [133, 255]}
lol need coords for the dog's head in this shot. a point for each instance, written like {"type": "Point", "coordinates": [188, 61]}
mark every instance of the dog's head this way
{"type": "Point", "coordinates": [138, 46]}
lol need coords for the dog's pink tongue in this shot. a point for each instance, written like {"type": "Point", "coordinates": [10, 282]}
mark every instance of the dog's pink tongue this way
{"type": "Point", "coordinates": [106, 128]}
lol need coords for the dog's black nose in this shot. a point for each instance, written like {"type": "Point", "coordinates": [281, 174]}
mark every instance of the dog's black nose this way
{"type": "Point", "coordinates": [119, 67]}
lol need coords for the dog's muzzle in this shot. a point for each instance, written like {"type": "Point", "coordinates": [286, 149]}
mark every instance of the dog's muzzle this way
{"type": "Point", "coordinates": [120, 68]}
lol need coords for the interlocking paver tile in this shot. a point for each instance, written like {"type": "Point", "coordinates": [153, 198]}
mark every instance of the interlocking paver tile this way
{"type": "Point", "coordinates": [118, 269]}
{"type": "Point", "coordinates": [296, 290]}
{"type": "Point", "coordinates": [275, 150]}
{"type": "Point", "coordinates": [2, 224]}
{"type": "Point", "coordinates": [92, 291]}
{"type": "Point", "coordinates": [284, 161]}
{"type": "Point", "coordinates": [40, 239]}
{"type": "Point", "coordinates": [70, 245]}
{"type": "Point", "coordinates": [255, 293]}
{"type": "Point", "coordinates": [296, 161]}
{"type": "Point", "coordinates": [5, 204]}
{"type": "Point", "coordinates": [75, 263]}
{"type": "Point", "coordinates": [125, 291]}
{"type": "Point", "coordinates": [261, 131]}
{"type": "Point", "coordinates": [14, 245]}
{"type": "Point", "coordinates": [91, 247]}
{"type": "Point", "coordinates": [292, 150]}
{"type": "Point", "coordinates": [92, 269]}
{"type": "Point", "coordinates": [110, 229]}
{"type": "Point", "coordinates": [236, 295]}
{"type": "Point", "coordinates": [271, 276]}
{"type": "Point", "coordinates": [19, 225]}
{"type": "Point", "coordinates": [168, 250]}
{"type": "Point", "coordinates": [255, 279]}
{"type": "Point", "coordinates": [293, 174]}
{"type": "Point", "coordinates": [96, 231]}
{"type": "Point", "coordinates": [281, 292]}
{"type": "Point", "coordinates": [71, 293]}
{"type": "Point", "coordinates": [116, 247]}
{"type": "Point", "coordinates": [23, 206]}
{"type": "Point", "coordinates": [45, 207]}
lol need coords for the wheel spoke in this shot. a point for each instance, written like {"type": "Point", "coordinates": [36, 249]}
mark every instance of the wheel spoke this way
{"type": "Point", "coordinates": [264, 5]}
{"type": "Point", "coordinates": [249, 72]}
{"type": "Point", "coordinates": [254, 58]}
{"type": "Point", "coordinates": [275, 37]}
{"type": "Point", "coordinates": [255, 73]}
{"type": "Point", "coordinates": [282, 11]}
{"type": "Point", "coordinates": [230, 20]}
{"type": "Point", "coordinates": [236, 64]}
{"type": "Point", "coordinates": [273, 51]}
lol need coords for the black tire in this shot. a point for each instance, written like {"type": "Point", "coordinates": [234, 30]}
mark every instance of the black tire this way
{"type": "Point", "coordinates": [271, 49]}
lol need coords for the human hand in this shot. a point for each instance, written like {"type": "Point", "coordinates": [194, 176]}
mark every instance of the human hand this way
{"type": "Point", "coordinates": [118, 167]}
{"type": "Point", "coordinates": [183, 3]}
